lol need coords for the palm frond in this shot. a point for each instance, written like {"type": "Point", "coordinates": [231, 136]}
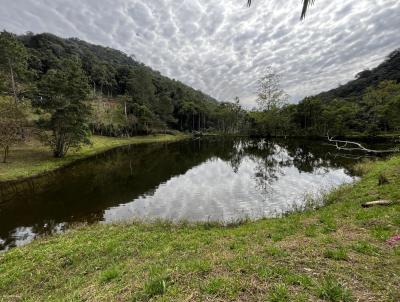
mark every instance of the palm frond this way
{"type": "Point", "coordinates": [306, 5]}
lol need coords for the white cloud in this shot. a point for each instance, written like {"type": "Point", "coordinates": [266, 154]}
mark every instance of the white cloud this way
{"type": "Point", "coordinates": [222, 47]}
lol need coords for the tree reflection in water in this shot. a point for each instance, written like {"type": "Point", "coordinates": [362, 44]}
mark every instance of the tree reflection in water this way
{"type": "Point", "coordinates": [222, 178]}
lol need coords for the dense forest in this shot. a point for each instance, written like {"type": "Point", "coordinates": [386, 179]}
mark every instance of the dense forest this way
{"type": "Point", "coordinates": [150, 101]}
{"type": "Point", "coordinates": [67, 89]}
{"type": "Point", "coordinates": [368, 105]}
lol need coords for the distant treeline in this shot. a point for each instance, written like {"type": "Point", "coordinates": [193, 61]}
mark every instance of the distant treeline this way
{"type": "Point", "coordinates": [368, 105]}
{"type": "Point", "coordinates": [126, 97]}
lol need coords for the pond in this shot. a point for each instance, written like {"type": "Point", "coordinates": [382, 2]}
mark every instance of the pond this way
{"type": "Point", "coordinates": [211, 179]}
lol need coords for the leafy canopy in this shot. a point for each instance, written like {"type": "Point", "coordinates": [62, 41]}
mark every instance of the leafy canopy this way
{"type": "Point", "coordinates": [64, 92]}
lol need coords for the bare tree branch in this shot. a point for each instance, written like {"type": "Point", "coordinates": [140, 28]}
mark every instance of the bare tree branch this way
{"type": "Point", "coordinates": [354, 146]}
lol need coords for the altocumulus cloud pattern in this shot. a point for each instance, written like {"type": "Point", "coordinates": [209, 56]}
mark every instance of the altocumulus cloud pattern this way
{"type": "Point", "coordinates": [222, 47]}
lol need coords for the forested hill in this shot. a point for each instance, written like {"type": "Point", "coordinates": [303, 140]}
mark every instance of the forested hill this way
{"type": "Point", "coordinates": [366, 106]}
{"type": "Point", "coordinates": [128, 97]}
{"type": "Point", "coordinates": [57, 47]}
{"type": "Point", "coordinates": [387, 70]}
{"type": "Point", "coordinates": [109, 69]}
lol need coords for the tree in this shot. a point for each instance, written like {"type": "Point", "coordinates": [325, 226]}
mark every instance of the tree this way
{"type": "Point", "coordinates": [382, 107]}
{"type": "Point", "coordinates": [271, 100]}
{"type": "Point", "coordinates": [140, 86]}
{"type": "Point", "coordinates": [231, 117]}
{"type": "Point", "coordinates": [64, 92]}
{"type": "Point", "coordinates": [13, 60]}
{"type": "Point", "coordinates": [12, 122]}
{"type": "Point", "coordinates": [141, 117]}
{"type": "Point", "coordinates": [188, 111]}
{"type": "Point", "coordinates": [306, 5]}
{"type": "Point", "coordinates": [99, 76]}
{"type": "Point", "coordinates": [117, 74]}
{"type": "Point", "coordinates": [164, 109]}
{"type": "Point", "coordinates": [104, 75]}
{"type": "Point", "coordinates": [270, 94]}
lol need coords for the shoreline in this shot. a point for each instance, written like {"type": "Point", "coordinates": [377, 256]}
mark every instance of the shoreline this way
{"type": "Point", "coordinates": [49, 164]}
{"type": "Point", "coordinates": [305, 256]}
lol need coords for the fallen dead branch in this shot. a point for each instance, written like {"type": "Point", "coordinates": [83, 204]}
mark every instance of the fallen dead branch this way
{"type": "Point", "coordinates": [354, 146]}
{"type": "Point", "coordinates": [378, 203]}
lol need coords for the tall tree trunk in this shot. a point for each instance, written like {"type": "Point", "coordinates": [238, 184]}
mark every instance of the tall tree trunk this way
{"type": "Point", "coordinates": [60, 146]}
{"type": "Point", "coordinates": [126, 112]}
{"type": "Point", "coordinates": [199, 119]}
{"type": "Point", "coordinates": [13, 82]}
{"type": "Point", "coordinates": [6, 150]}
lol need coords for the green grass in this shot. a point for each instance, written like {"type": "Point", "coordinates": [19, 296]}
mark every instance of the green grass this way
{"type": "Point", "coordinates": [109, 274]}
{"type": "Point", "coordinates": [332, 290]}
{"type": "Point", "coordinates": [33, 158]}
{"type": "Point", "coordinates": [336, 253]}
{"type": "Point", "coordinates": [279, 293]}
{"type": "Point", "coordinates": [365, 248]}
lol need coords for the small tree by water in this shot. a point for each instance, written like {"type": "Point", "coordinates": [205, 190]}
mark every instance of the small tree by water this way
{"type": "Point", "coordinates": [64, 94]}
{"type": "Point", "coordinates": [12, 125]}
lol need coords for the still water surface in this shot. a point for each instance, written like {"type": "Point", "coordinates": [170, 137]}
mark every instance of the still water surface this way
{"type": "Point", "coordinates": [198, 180]}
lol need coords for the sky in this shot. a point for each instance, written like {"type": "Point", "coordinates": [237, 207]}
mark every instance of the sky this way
{"type": "Point", "coordinates": [224, 47]}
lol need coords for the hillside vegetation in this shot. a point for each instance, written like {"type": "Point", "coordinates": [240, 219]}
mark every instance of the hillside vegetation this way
{"type": "Point", "coordinates": [59, 92]}
{"type": "Point", "coordinates": [129, 98]}
{"type": "Point", "coordinates": [149, 99]}
{"type": "Point", "coordinates": [366, 106]}
{"type": "Point", "coordinates": [388, 70]}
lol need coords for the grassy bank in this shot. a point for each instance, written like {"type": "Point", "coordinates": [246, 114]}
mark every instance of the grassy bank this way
{"type": "Point", "coordinates": [336, 253]}
{"type": "Point", "coordinates": [33, 158]}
